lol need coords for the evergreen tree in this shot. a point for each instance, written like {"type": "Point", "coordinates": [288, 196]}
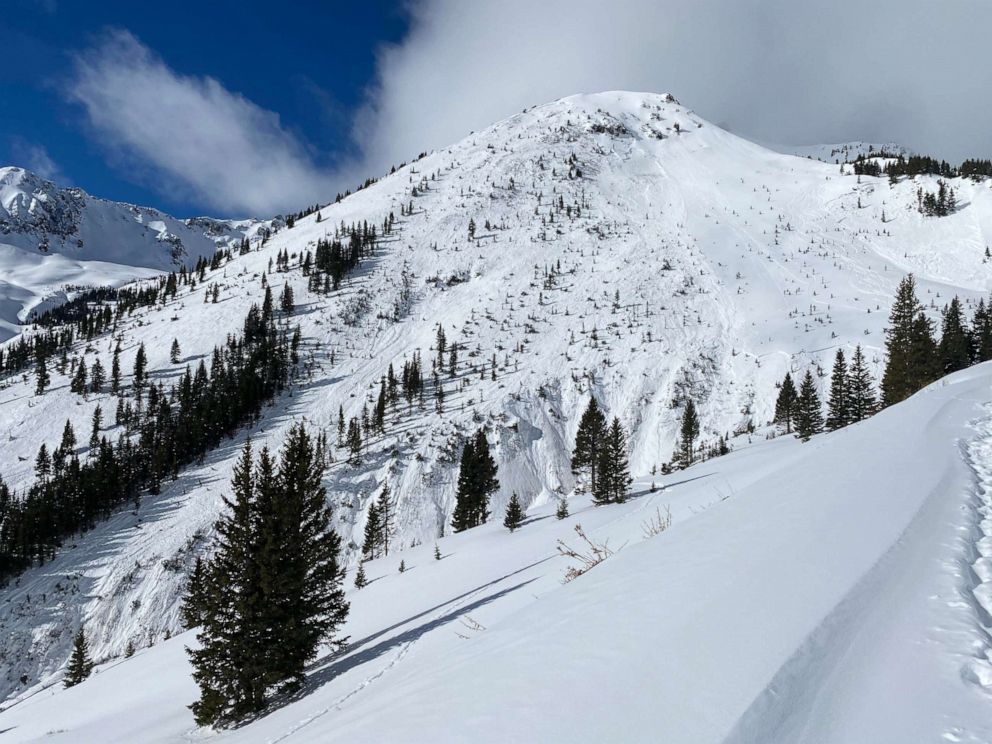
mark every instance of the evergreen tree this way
{"type": "Point", "coordinates": [514, 513]}
{"type": "Point", "coordinates": [476, 483]}
{"type": "Point", "coordinates": [301, 573]}
{"type": "Point", "coordinates": [95, 428]}
{"type": "Point", "coordinates": [809, 417]}
{"type": "Point", "coordinates": [838, 414]}
{"type": "Point", "coordinates": [385, 518]}
{"type": "Point", "coordinates": [614, 474]}
{"type": "Point", "coordinates": [174, 352]}
{"type": "Point", "coordinates": [228, 666]}
{"type": "Point", "coordinates": [912, 355]}
{"type": "Point", "coordinates": [588, 441]}
{"type": "Point", "coordinates": [437, 552]}
{"type": "Point", "coordinates": [42, 378]}
{"type": "Point", "coordinates": [981, 331]}
{"type": "Point", "coordinates": [194, 600]}
{"type": "Point", "coordinates": [96, 376]}
{"type": "Point", "coordinates": [688, 433]}
{"type": "Point", "coordinates": [80, 665]}
{"type": "Point", "coordinates": [861, 400]}
{"type": "Point", "coordinates": [78, 382]}
{"type": "Point", "coordinates": [561, 511]}
{"type": "Point", "coordinates": [373, 532]}
{"type": "Point", "coordinates": [360, 579]}
{"type": "Point", "coordinates": [785, 404]}
{"type": "Point", "coordinates": [115, 370]}
{"type": "Point", "coordinates": [955, 348]}
{"type": "Point", "coordinates": [140, 367]}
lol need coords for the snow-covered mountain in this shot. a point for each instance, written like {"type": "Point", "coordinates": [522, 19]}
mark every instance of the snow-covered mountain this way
{"type": "Point", "coordinates": [54, 240]}
{"type": "Point", "coordinates": [623, 247]}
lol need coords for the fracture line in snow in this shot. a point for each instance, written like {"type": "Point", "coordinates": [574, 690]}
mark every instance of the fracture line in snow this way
{"type": "Point", "coordinates": [979, 669]}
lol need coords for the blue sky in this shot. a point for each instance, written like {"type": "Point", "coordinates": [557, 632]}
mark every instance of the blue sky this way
{"type": "Point", "coordinates": [227, 108]}
{"type": "Point", "coordinates": [310, 67]}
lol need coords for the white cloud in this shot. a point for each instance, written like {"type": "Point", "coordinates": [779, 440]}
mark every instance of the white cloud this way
{"type": "Point", "coordinates": [36, 159]}
{"type": "Point", "coordinates": [191, 135]}
{"type": "Point", "coordinates": [911, 71]}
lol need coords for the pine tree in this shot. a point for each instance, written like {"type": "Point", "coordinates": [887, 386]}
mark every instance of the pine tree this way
{"type": "Point", "coordinates": [838, 415]}
{"type": "Point", "coordinates": [228, 666]}
{"type": "Point", "coordinates": [174, 352]}
{"type": "Point", "coordinates": [300, 568]}
{"type": "Point", "coordinates": [373, 532]}
{"type": "Point", "coordinates": [561, 511]}
{"type": "Point", "coordinates": [688, 433]}
{"type": "Point", "coordinates": [360, 579]}
{"type": "Point", "coordinates": [437, 552]}
{"type": "Point", "coordinates": [861, 401]}
{"type": "Point", "coordinates": [80, 665]}
{"type": "Point", "coordinates": [42, 378]}
{"type": "Point", "coordinates": [476, 482]}
{"type": "Point", "coordinates": [588, 441]}
{"type": "Point", "coordinates": [955, 348]}
{"type": "Point", "coordinates": [194, 600]}
{"type": "Point", "coordinates": [385, 518]}
{"type": "Point", "coordinates": [785, 404]}
{"type": "Point", "coordinates": [95, 429]}
{"type": "Point", "coordinates": [514, 513]}
{"type": "Point", "coordinates": [809, 417]}
{"type": "Point", "coordinates": [981, 331]}
{"type": "Point", "coordinates": [96, 376]}
{"type": "Point", "coordinates": [140, 367]}
{"type": "Point", "coordinates": [614, 474]}
{"type": "Point", "coordinates": [115, 370]}
{"type": "Point", "coordinates": [912, 354]}
{"type": "Point", "coordinates": [78, 382]}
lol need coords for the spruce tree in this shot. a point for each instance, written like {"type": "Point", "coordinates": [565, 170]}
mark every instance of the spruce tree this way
{"type": "Point", "coordinates": [461, 518]}
{"type": "Point", "coordinates": [476, 483]}
{"type": "Point", "coordinates": [373, 532]}
{"type": "Point", "coordinates": [360, 579]}
{"type": "Point", "coordinates": [300, 567]}
{"type": "Point", "coordinates": [385, 518]}
{"type": "Point", "coordinates": [588, 441]}
{"type": "Point", "coordinates": [837, 404]}
{"type": "Point", "coordinates": [688, 433]}
{"type": "Point", "coordinates": [174, 352]}
{"type": "Point", "coordinates": [514, 513]}
{"type": "Point", "coordinates": [614, 474]}
{"type": "Point", "coordinates": [561, 511]}
{"type": "Point", "coordinates": [140, 367]}
{"type": "Point", "coordinates": [42, 378]}
{"type": "Point", "coordinates": [809, 417]}
{"type": "Point", "coordinates": [228, 665]}
{"type": "Point", "coordinates": [785, 404]}
{"type": "Point", "coordinates": [912, 355]}
{"type": "Point", "coordinates": [861, 401]}
{"type": "Point", "coordinates": [981, 331]}
{"type": "Point", "coordinates": [485, 473]}
{"type": "Point", "coordinates": [115, 370]}
{"type": "Point", "coordinates": [955, 346]}
{"type": "Point", "coordinates": [80, 665]}
{"type": "Point", "coordinates": [194, 600]}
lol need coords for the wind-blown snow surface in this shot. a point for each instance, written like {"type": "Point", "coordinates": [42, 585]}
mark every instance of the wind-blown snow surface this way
{"type": "Point", "coordinates": [812, 592]}
{"type": "Point", "coordinates": [55, 240]}
{"type": "Point", "coordinates": [698, 264]}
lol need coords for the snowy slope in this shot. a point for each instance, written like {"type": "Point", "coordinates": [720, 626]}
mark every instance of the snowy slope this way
{"type": "Point", "coordinates": [697, 264]}
{"type": "Point", "coordinates": [805, 593]}
{"type": "Point", "coordinates": [54, 239]}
